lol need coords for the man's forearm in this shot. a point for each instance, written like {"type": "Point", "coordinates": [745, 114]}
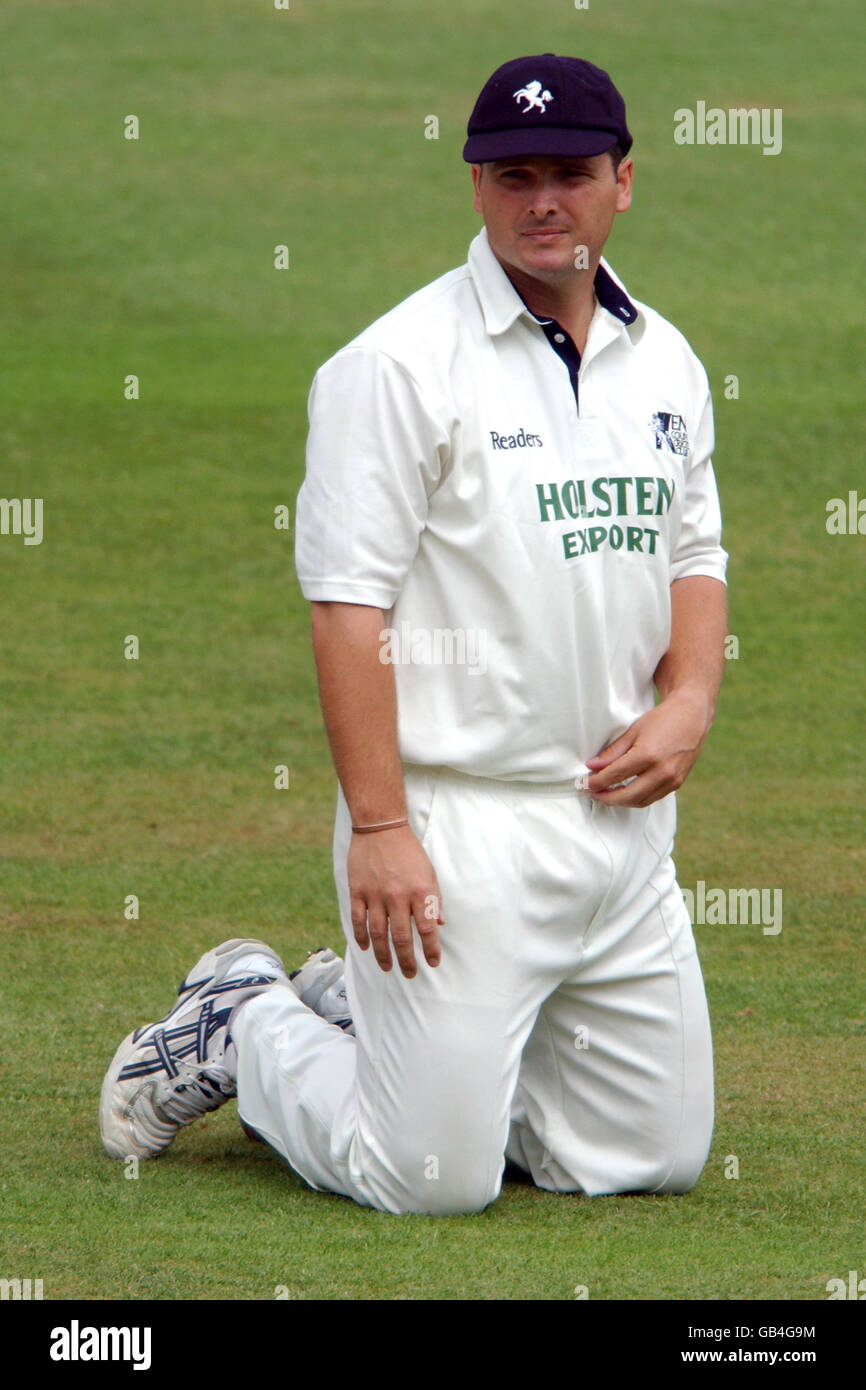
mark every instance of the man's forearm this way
{"type": "Point", "coordinates": [694, 663]}
{"type": "Point", "coordinates": [655, 754]}
{"type": "Point", "coordinates": [359, 707]}
{"type": "Point", "coordinates": [392, 884]}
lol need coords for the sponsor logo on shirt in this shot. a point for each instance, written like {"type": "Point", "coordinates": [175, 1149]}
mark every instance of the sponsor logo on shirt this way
{"type": "Point", "coordinates": [670, 432]}
{"type": "Point", "coordinates": [606, 497]}
{"type": "Point", "coordinates": [521, 440]}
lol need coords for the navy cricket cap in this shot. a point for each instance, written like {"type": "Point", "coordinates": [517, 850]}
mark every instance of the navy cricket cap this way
{"type": "Point", "coordinates": [546, 105]}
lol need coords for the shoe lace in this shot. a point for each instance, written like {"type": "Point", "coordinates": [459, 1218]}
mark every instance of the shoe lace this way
{"type": "Point", "coordinates": [195, 1093]}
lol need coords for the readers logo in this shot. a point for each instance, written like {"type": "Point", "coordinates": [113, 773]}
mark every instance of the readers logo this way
{"type": "Point", "coordinates": [670, 432]}
{"type": "Point", "coordinates": [521, 440]}
{"type": "Point", "coordinates": [533, 96]}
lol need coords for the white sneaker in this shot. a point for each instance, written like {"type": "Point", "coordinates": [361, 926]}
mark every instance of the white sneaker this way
{"type": "Point", "coordinates": [320, 984]}
{"type": "Point", "coordinates": [166, 1074]}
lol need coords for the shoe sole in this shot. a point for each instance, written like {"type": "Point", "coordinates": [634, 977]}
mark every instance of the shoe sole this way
{"type": "Point", "coordinates": [114, 1118]}
{"type": "Point", "coordinates": [115, 1115]}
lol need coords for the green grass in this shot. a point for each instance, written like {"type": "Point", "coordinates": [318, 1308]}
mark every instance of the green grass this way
{"type": "Point", "coordinates": [155, 777]}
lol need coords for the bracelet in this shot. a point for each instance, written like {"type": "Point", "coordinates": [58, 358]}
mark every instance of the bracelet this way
{"type": "Point", "coordinates": [385, 825]}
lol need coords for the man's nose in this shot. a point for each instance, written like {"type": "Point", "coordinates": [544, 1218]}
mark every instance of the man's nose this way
{"type": "Point", "coordinates": [545, 198]}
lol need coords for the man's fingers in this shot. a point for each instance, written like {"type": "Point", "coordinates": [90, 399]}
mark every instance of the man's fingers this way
{"type": "Point", "coordinates": [381, 928]}
{"type": "Point", "coordinates": [377, 925]}
{"type": "Point", "coordinates": [658, 752]}
{"type": "Point", "coordinates": [359, 923]}
{"type": "Point", "coordinates": [631, 764]}
{"type": "Point", "coordinates": [400, 924]}
{"type": "Point", "coordinates": [427, 912]}
{"type": "Point", "coordinates": [613, 751]}
{"type": "Point", "coordinates": [643, 791]}
{"type": "Point", "coordinates": [393, 892]}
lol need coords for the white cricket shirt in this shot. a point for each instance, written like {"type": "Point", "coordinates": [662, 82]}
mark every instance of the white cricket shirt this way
{"type": "Point", "coordinates": [517, 512]}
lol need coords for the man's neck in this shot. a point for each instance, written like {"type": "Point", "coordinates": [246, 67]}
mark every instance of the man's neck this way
{"type": "Point", "coordinates": [571, 302]}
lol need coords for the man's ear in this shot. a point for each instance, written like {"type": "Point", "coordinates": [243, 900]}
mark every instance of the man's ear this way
{"type": "Point", "coordinates": [476, 181]}
{"type": "Point", "coordinates": [625, 179]}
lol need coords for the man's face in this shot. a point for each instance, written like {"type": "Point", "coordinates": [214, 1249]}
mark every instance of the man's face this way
{"type": "Point", "coordinates": [539, 210]}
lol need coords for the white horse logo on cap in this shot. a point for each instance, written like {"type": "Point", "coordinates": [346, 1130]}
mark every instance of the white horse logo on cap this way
{"type": "Point", "coordinates": [533, 96]}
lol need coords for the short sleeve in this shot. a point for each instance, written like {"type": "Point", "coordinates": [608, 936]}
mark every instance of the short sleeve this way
{"type": "Point", "coordinates": [375, 453]}
{"type": "Point", "coordinates": [699, 549]}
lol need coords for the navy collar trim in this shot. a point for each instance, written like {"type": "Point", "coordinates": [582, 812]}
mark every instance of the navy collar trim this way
{"type": "Point", "coordinates": [611, 297]}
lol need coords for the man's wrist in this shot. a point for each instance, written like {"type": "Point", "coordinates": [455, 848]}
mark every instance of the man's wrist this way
{"type": "Point", "coordinates": [377, 812]}
{"type": "Point", "coordinates": [696, 698]}
{"type": "Point", "coordinates": [381, 825]}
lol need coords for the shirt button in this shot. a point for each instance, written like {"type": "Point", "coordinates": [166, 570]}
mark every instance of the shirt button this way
{"type": "Point", "coordinates": [559, 337]}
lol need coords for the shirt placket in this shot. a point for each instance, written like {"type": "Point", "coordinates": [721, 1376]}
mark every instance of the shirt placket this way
{"type": "Point", "coordinates": [564, 347]}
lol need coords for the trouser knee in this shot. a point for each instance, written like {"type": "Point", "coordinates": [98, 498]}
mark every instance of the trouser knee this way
{"type": "Point", "coordinates": [688, 1165]}
{"type": "Point", "coordinates": [444, 1187]}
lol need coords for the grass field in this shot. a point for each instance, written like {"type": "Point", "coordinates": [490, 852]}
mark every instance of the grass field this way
{"type": "Point", "coordinates": [155, 777]}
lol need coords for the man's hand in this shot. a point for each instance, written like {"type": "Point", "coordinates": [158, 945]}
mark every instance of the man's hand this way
{"type": "Point", "coordinates": [658, 750]}
{"type": "Point", "coordinates": [391, 881]}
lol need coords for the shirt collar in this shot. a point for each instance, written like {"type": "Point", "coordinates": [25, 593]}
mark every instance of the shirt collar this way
{"type": "Point", "coordinates": [501, 305]}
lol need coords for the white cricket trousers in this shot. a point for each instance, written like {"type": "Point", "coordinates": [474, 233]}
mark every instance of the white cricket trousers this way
{"type": "Point", "coordinates": [566, 1026]}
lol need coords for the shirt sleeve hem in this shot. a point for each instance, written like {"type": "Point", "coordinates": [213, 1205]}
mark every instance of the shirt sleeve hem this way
{"type": "Point", "coordinates": [688, 569]}
{"type": "Point", "coordinates": [340, 591]}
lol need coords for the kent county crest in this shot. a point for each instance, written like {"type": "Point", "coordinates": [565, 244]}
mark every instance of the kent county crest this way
{"type": "Point", "coordinates": [534, 96]}
{"type": "Point", "coordinates": [670, 432]}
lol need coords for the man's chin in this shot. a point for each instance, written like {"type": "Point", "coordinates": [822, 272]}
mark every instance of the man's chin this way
{"type": "Point", "coordinates": [546, 263]}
